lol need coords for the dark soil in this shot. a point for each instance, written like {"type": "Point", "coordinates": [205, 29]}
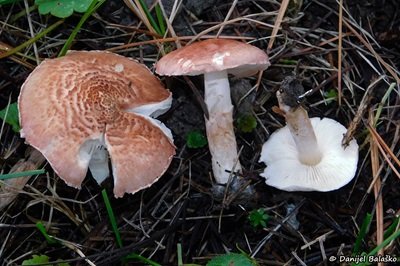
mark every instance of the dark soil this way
{"type": "Point", "coordinates": [184, 207]}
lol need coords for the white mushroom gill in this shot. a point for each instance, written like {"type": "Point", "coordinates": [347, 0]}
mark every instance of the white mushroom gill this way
{"type": "Point", "coordinates": [152, 109]}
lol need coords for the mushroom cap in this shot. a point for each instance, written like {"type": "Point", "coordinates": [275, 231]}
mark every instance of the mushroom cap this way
{"type": "Point", "coordinates": [70, 106]}
{"type": "Point", "coordinates": [336, 168]}
{"type": "Point", "coordinates": [238, 58]}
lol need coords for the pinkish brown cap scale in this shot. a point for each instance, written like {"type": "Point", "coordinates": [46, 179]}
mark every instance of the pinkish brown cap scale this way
{"type": "Point", "coordinates": [71, 106]}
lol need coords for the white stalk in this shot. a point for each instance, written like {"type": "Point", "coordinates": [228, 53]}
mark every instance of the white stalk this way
{"type": "Point", "coordinates": [98, 164]}
{"type": "Point", "coordinates": [302, 132]}
{"type": "Point", "coordinates": [219, 126]}
{"type": "Point", "coordinates": [94, 155]}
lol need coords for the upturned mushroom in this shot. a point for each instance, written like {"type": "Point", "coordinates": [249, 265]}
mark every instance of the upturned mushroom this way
{"type": "Point", "coordinates": [307, 154]}
{"type": "Point", "coordinates": [79, 109]}
{"type": "Point", "coordinates": [216, 58]}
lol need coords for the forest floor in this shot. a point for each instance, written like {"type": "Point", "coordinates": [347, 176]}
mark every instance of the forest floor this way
{"type": "Point", "coordinates": [182, 219]}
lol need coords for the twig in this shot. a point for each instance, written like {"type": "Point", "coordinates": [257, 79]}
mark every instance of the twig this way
{"type": "Point", "coordinates": [302, 263]}
{"type": "Point", "coordinates": [360, 112]}
{"type": "Point", "coordinates": [309, 244]}
{"type": "Point", "coordinates": [278, 22]}
{"type": "Point", "coordinates": [376, 55]}
{"type": "Point", "coordinates": [227, 17]}
{"type": "Point", "coordinates": [171, 39]}
{"type": "Point", "coordinates": [32, 40]}
{"type": "Point", "coordinates": [28, 15]}
{"type": "Point", "coordinates": [385, 150]}
{"type": "Point", "coordinates": [198, 96]}
{"type": "Point", "coordinates": [169, 27]}
{"type": "Point", "coordinates": [340, 53]}
{"type": "Point", "coordinates": [377, 186]}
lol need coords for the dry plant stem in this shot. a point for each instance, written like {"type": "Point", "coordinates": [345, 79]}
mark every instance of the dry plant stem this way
{"type": "Point", "coordinates": [302, 132]}
{"type": "Point", "coordinates": [227, 17]}
{"type": "Point", "coordinates": [35, 49]}
{"type": "Point", "coordinates": [377, 188]}
{"type": "Point", "coordinates": [278, 22]}
{"type": "Point", "coordinates": [10, 188]}
{"type": "Point", "coordinates": [340, 53]}
{"type": "Point", "coordinates": [171, 39]}
{"type": "Point", "coordinates": [212, 28]}
{"type": "Point", "coordinates": [219, 126]}
{"type": "Point", "coordinates": [371, 49]}
{"type": "Point", "coordinates": [386, 152]}
{"type": "Point", "coordinates": [170, 28]}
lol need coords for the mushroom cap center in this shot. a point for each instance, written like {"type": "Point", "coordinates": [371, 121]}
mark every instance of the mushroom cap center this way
{"type": "Point", "coordinates": [103, 98]}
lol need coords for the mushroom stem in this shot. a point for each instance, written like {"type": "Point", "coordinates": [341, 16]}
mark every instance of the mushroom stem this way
{"type": "Point", "coordinates": [302, 132]}
{"type": "Point", "coordinates": [98, 164]}
{"type": "Point", "coordinates": [219, 126]}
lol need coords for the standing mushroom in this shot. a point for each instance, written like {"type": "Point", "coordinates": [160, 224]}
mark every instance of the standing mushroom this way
{"type": "Point", "coordinates": [307, 154]}
{"type": "Point", "coordinates": [79, 108]}
{"type": "Point", "coordinates": [216, 58]}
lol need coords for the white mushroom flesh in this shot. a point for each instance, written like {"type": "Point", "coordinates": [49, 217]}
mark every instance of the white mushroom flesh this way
{"type": "Point", "coordinates": [219, 126]}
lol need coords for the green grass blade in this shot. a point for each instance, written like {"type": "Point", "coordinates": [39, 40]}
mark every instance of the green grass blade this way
{"type": "Point", "coordinates": [43, 230]}
{"type": "Point", "coordinates": [384, 99]}
{"type": "Point", "coordinates": [5, 2]}
{"type": "Point", "coordinates": [111, 217]}
{"type": "Point", "coordinates": [20, 174]}
{"type": "Point", "coordinates": [361, 235]}
{"type": "Point", "coordinates": [21, 13]}
{"type": "Point", "coordinates": [288, 61]}
{"type": "Point", "coordinates": [179, 252]}
{"type": "Point", "coordinates": [32, 40]}
{"type": "Point", "coordinates": [384, 243]}
{"type": "Point", "coordinates": [114, 226]}
{"type": "Point", "coordinates": [391, 228]}
{"type": "Point", "coordinates": [160, 19]}
{"type": "Point", "coordinates": [150, 17]}
{"type": "Point", "coordinates": [92, 8]}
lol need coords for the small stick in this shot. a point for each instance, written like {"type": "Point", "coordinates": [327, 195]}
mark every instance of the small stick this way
{"type": "Point", "coordinates": [340, 53]}
{"type": "Point", "coordinates": [198, 96]}
{"type": "Point", "coordinates": [278, 22]}
{"type": "Point", "coordinates": [360, 112]}
{"type": "Point", "coordinates": [316, 240]}
{"type": "Point", "coordinates": [227, 17]}
{"type": "Point", "coordinates": [377, 186]}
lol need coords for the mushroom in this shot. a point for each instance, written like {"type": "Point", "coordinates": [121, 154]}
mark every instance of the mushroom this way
{"type": "Point", "coordinates": [307, 154]}
{"type": "Point", "coordinates": [79, 108]}
{"type": "Point", "coordinates": [216, 58]}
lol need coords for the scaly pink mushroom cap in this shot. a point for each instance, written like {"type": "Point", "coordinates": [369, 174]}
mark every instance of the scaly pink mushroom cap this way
{"type": "Point", "coordinates": [71, 104]}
